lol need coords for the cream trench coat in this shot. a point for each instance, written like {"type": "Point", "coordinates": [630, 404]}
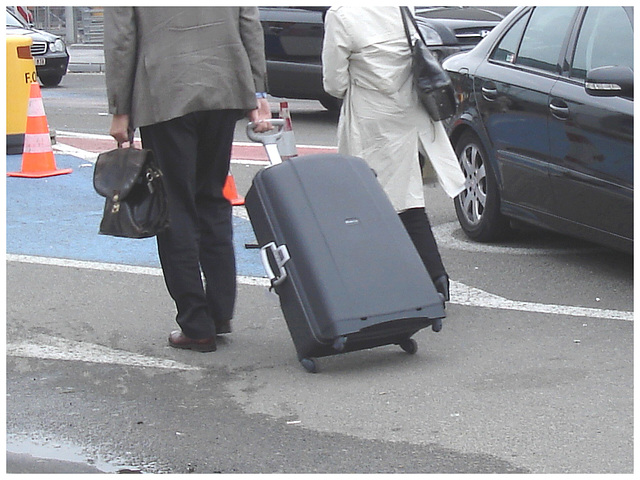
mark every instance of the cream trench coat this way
{"type": "Point", "coordinates": [367, 62]}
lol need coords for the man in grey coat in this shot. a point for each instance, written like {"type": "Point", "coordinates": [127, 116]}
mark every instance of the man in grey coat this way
{"type": "Point", "coordinates": [184, 76]}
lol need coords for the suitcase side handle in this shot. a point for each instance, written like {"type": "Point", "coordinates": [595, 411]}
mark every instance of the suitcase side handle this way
{"type": "Point", "coordinates": [281, 256]}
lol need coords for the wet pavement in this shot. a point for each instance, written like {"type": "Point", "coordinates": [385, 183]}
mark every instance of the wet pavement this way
{"type": "Point", "coordinates": [498, 390]}
{"type": "Point", "coordinates": [24, 463]}
{"type": "Point", "coordinates": [45, 459]}
{"type": "Point", "coordinates": [28, 232]}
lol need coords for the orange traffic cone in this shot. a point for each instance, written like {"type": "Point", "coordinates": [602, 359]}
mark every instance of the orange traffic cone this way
{"type": "Point", "coordinates": [231, 193]}
{"type": "Point", "coordinates": [287, 142]}
{"type": "Point", "coordinates": [37, 155]}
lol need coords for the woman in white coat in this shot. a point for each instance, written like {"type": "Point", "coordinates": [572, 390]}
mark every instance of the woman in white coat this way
{"type": "Point", "coordinates": [367, 63]}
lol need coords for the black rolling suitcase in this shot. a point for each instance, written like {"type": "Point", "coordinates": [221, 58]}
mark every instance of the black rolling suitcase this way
{"type": "Point", "coordinates": [346, 272]}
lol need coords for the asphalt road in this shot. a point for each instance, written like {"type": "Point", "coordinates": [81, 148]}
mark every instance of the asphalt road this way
{"type": "Point", "coordinates": [532, 372]}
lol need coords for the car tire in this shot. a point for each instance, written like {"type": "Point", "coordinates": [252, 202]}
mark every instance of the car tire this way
{"type": "Point", "coordinates": [51, 80]}
{"type": "Point", "coordinates": [478, 206]}
{"type": "Point", "coordinates": [332, 104]}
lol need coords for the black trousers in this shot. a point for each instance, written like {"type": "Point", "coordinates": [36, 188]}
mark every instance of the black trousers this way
{"type": "Point", "coordinates": [417, 224]}
{"type": "Point", "coordinates": [194, 153]}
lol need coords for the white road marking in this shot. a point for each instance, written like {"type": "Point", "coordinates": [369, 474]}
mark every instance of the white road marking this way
{"type": "Point", "coordinates": [474, 297]}
{"type": "Point", "coordinates": [240, 212]}
{"type": "Point", "coordinates": [115, 267]}
{"type": "Point", "coordinates": [64, 133]}
{"type": "Point", "coordinates": [76, 152]}
{"type": "Point", "coordinates": [91, 157]}
{"type": "Point", "coordinates": [461, 294]}
{"type": "Point", "coordinates": [52, 348]}
{"type": "Point", "coordinates": [260, 163]}
{"type": "Point", "coordinates": [62, 349]}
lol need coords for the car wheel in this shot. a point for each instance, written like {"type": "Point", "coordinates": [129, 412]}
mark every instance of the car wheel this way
{"type": "Point", "coordinates": [478, 206]}
{"type": "Point", "coordinates": [50, 80]}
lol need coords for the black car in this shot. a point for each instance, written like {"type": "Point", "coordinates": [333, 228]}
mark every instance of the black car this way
{"type": "Point", "coordinates": [49, 51]}
{"type": "Point", "coordinates": [450, 30]}
{"type": "Point", "coordinates": [294, 35]}
{"type": "Point", "coordinates": [544, 130]}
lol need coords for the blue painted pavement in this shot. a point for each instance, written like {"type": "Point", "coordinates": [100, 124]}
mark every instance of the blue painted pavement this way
{"type": "Point", "coordinates": [59, 217]}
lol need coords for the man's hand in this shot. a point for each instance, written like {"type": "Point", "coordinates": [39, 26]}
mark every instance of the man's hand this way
{"type": "Point", "coordinates": [260, 116]}
{"type": "Point", "coordinates": [120, 129]}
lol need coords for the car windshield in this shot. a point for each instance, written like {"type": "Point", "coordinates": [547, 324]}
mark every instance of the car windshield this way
{"type": "Point", "coordinates": [13, 21]}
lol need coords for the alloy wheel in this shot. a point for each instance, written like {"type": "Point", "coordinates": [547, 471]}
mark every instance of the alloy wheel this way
{"type": "Point", "coordinates": [473, 199]}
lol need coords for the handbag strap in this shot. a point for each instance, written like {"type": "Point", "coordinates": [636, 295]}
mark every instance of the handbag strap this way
{"type": "Point", "coordinates": [406, 13]}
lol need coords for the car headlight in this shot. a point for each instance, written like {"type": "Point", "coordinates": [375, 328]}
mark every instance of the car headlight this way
{"type": "Point", "coordinates": [57, 46]}
{"type": "Point", "coordinates": [430, 35]}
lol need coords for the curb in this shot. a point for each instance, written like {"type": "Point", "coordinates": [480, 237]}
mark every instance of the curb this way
{"type": "Point", "coordinates": [85, 58]}
{"type": "Point", "coordinates": [88, 67]}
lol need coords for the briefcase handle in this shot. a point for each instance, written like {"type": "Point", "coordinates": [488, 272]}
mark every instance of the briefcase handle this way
{"type": "Point", "coordinates": [129, 140]}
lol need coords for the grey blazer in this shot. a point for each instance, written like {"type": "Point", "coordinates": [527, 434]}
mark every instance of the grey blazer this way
{"type": "Point", "coordinates": [166, 62]}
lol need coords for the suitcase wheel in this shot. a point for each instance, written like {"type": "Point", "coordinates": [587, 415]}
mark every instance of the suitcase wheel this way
{"type": "Point", "coordinates": [436, 325]}
{"type": "Point", "coordinates": [339, 344]}
{"type": "Point", "coordinates": [309, 365]}
{"type": "Point", "coordinates": [409, 345]}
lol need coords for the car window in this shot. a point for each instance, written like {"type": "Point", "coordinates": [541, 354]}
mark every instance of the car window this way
{"type": "Point", "coordinates": [507, 48]}
{"type": "Point", "coordinates": [13, 21]}
{"type": "Point", "coordinates": [544, 37]}
{"type": "Point", "coordinates": [606, 38]}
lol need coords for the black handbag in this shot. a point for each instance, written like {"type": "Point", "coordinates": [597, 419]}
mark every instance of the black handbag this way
{"type": "Point", "coordinates": [431, 81]}
{"type": "Point", "coordinates": [136, 200]}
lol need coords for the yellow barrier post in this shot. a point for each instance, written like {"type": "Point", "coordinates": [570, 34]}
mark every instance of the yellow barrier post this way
{"type": "Point", "coordinates": [21, 72]}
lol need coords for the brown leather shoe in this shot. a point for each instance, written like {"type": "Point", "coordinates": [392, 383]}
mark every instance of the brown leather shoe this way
{"type": "Point", "coordinates": [178, 339]}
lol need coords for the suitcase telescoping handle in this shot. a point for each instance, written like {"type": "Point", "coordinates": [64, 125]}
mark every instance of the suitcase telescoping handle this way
{"type": "Point", "coordinates": [281, 256]}
{"type": "Point", "coordinates": [269, 138]}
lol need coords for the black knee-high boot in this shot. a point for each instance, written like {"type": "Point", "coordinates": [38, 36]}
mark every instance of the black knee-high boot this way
{"type": "Point", "coordinates": [417, 224]}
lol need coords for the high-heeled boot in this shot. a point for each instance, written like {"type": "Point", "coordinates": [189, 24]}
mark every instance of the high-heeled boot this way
{"type": "Point", "coordinates": [442, 286]}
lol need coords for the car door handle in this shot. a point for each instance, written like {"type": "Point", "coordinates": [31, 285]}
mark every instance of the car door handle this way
{"type": "Point", "coordinates": [489, 91]}
{"type": "Point", "coordinates": [559, 109]}
{"type": "Point", "coordinates": [275, 30]}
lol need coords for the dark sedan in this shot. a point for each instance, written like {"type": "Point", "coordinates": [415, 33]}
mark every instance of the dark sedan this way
{"type": "Point", "coordinates": [294, 35]}
{"type": "Point", "coordinates": [544, 130]}
{"type": "Point", "coordinates": [49, 51]}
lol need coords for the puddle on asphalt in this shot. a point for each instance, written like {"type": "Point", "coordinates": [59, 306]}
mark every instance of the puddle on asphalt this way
{"type": "Point", "coordinates": [53, 450]}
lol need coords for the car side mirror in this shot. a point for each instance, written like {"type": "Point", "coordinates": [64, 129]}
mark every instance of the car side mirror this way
{"type": "Point", "coordinates": [611, 81]}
